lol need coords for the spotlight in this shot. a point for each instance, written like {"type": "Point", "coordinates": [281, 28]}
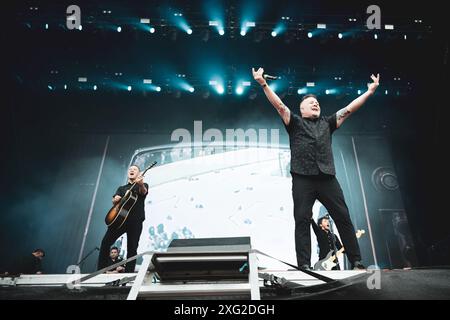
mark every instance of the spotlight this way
{"type": "Point", "coordinates": [239, 90]}
{"type": "Point", "coordinates": [119, 29]}
{"type": "Point", "coordinates": [65, 87]}
{"type": "Point", "coordinates": [191, 89]}
{"type": "Point", "coordinates": [129, 88]}
{"type": "Point", "coordinates": [359, 91]}
{"type": "Point", "coordinates": [220, 89]}
{"type": "Point", "coordinates": [310, 34]}
{"type": "Point", "coordinates": [189, 31]}
{"type": "Point", "coordinates": [327, 91]}
{"type": "Point", "coordinates": [340, 35]}
{"type": "Point", "coordinates": [152, 30]}
{"type": "Point", "coordinates": [279, 28]}
{"type": "Point", "coordinates": [375, 36]}
{"type": "Point", "coordinates": [46, 26]}
{"type": "Point", "coordinates": [95, 87]}
{"type": "Point", "coordinates": [243, 33]}
{"type": "Point", "coordinates": [218, 26]}
{"type": "Point", "coordinates": [158, 89]}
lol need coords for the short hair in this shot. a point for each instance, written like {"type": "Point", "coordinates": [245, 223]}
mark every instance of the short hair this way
{"type": "Point", "coordinates": [319, 222]}
{"type": "Point", "coordinates": [40, 251]}
{"type": "Point", "coordinates": [114, 248]}
{"type": "Point", "coordinates": [306, 96]}
{"type": "Point", "coordinates": [135, 165]}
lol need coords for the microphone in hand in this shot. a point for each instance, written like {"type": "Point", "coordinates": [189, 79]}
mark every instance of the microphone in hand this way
{"type": "Point", "coordinates": [269, 77]}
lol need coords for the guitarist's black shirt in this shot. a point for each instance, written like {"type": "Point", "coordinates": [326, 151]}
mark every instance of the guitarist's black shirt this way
{"type": "Point", "coordinates": [137, 213]}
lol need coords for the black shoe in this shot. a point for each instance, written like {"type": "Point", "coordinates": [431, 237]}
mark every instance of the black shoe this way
{"type": "Point", "coordinates": [261, 268]}
{"type": "Point", "coordinates": [305, 267]}
{"type": "Point", "coordinates": [357, 265]}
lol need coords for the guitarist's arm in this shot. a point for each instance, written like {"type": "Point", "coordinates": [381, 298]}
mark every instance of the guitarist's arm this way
{"type": "Point", "coordinates": [117, 196]}
{"type": "Point", "coordinates": [116, 199]}
{"type": "Point", "coordinates": [143, 187]}
{"type": "Point", "coordinates": [315, 227]}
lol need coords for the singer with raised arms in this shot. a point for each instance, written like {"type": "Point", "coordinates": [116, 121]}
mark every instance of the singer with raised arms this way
{"type": "Point", "coordinates": [312, 167]}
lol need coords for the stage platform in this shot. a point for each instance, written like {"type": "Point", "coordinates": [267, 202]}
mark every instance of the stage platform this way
{"type": "Point", "coordinates": [386, 284]}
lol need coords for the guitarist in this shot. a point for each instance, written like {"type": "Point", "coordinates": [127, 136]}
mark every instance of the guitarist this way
{"type": "Point", "coordinates": [132, 226]}
{"type": "Point", "coordinates": [325, 238]}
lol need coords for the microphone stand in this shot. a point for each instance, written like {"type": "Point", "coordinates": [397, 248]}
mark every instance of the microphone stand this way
{"type": "Point", "coordinates": [86, 256]}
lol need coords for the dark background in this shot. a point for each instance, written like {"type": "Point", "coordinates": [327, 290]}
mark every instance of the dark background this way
{"type": "Point", "coordinates": [52, 140]}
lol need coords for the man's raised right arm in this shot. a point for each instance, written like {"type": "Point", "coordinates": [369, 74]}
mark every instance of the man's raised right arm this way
{"type": "Point", "coordinates": [282, 109]}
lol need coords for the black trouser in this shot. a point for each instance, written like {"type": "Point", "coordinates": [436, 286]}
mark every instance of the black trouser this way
{"type": "Point", "coordinates": [326, 189]}
{"type": "Point", "coordinates": [133, 230]}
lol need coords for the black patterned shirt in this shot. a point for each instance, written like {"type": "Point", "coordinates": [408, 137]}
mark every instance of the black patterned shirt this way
{"type": "Point", "coordinates": [310, 143]}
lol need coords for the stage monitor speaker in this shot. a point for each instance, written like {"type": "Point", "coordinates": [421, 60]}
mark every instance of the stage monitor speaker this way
{"type": "Point", "coordinates": [204, 259]}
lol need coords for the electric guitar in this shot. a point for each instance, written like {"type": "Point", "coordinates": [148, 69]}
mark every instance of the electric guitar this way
{"type": "Point", "coordinates": [328, 263]}
{"type": "Point", "coordinates": [118, 214]}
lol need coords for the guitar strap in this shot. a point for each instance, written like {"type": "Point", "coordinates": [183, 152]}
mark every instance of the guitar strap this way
{"type": "Point", "coordinates": [309, 272]}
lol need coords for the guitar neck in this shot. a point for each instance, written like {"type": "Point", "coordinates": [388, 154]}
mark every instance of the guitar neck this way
{"type": "Point", "coordinates": [143, 174]}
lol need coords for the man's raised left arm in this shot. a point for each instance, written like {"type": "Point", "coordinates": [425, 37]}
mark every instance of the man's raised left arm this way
{"type": "Point", "coordinates": [344, 113]}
